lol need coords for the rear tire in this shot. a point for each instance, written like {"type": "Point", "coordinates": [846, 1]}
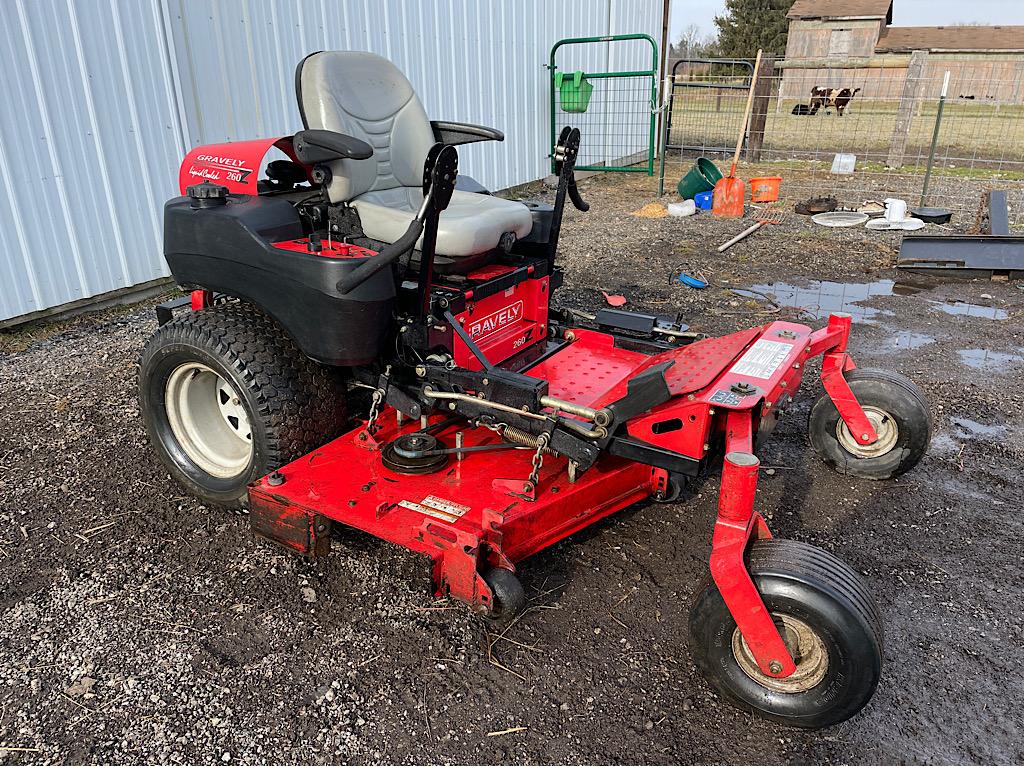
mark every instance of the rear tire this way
{"type": "Point", "coordinates": [227, 397]}
{"type": "Point", "coordinates": [828, 620]}
{"type": "Point", "coordinates": [899, 413]}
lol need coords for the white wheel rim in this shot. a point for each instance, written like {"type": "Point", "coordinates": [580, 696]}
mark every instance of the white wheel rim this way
{"type": "Point", "coordinates": [885, 427]}
{"type": "Point", "coordinates": [209, 420]}
{"type": "Point", "coordinates": [805, 647]}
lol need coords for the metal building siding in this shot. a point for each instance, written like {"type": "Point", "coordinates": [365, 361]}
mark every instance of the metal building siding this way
{"type": "Point", "coordinates": [103, 98]}
{"type": "Point", "coordinates": [478, 61]}
{"type": "Point", "coordinates": [89, 146]}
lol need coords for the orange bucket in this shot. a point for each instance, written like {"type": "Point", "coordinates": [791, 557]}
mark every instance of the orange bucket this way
{"type": "Point", "coordinates": [765, 189]}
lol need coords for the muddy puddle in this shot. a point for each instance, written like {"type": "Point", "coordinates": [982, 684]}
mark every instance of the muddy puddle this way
{"type": "Point", "coordinates": [943, 445]}
{"type": "Point", "coordinates": [965, 428]}
{"type": "Point", "coordinates": [908, 341]}
{"type": "Point", "coordinates": [992, 361]}
{"type": "Point", "coordinates": [958, 308]}
{"type": "Point", "coordinates": [819, 299]}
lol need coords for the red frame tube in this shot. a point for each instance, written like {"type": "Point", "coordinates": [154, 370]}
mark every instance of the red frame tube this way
{"type": "Point", "coordinates": [835, 362]}
{"type": "Point", "coordinates": [736, 526]}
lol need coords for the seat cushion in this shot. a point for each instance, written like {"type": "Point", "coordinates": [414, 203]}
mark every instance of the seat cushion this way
{"type": "Point", "coordinates": [471, 224]}
{"type": "Point", "coordinates": [365, 96]}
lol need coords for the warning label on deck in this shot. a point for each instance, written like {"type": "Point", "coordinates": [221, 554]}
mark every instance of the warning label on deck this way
{"type": "Point", "coordinates": [445, 510]}
{"type": "Point", "coordinates": [762, 359]}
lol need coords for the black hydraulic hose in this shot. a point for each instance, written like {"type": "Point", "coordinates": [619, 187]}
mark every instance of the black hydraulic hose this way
{"type": "Point", "coordinates": [383, 259]}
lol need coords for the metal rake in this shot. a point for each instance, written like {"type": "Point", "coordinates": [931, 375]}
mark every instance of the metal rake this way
{"type": "Point", "coordinates": [763, 218]}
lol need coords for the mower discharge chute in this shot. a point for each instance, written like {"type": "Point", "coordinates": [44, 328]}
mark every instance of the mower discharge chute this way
{"type": "Point", "coordinates": [356, 275]}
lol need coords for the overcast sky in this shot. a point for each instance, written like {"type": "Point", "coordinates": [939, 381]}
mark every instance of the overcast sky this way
{"type": "Point", "coordinates": [906, 13]}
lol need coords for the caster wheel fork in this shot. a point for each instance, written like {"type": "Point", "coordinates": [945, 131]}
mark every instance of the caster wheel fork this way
{"type": "Point", "coordinates": [897, 411]}
{"type": "Point", "coordinates": [778, 627]}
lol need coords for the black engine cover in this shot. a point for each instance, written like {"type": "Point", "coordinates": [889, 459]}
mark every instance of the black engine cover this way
{"type": "Point", "coordinates": [229, 249]}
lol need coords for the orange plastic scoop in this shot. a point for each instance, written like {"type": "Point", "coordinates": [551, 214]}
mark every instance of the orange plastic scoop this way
{"type": "Point", "coordinates": [728, 198]}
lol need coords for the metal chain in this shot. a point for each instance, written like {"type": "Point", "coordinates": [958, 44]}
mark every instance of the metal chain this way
{"type": "Point", "coordinates": [538, 459]}
{"type": "Point", "coordinates": [371, 423]}
{"type": "Point", "coordinates": [378, 396]}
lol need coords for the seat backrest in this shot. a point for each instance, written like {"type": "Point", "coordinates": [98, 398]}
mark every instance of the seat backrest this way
{"type": "Point", "coordinates": [365, 96]}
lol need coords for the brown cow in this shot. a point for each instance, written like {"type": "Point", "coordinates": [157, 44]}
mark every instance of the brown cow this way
{"type": "Point", "coordinates": [831, 97]}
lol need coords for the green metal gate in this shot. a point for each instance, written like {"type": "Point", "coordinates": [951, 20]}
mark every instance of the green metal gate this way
{"type": "Point", "coordinates": [614, 110]}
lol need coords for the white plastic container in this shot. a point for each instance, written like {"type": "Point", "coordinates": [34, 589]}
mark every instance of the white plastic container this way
{"type": "Point", "coordinates": [682, 209]}
{"type": "Point", "coordinates": [844, 164]}
{"type": "Point", "coordinates": [895, 210]}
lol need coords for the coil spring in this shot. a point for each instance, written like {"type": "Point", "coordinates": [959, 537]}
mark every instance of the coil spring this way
{"type": "Point", "coordinates": [524, 438]}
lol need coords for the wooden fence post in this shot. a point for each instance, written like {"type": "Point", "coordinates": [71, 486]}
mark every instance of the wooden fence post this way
{"type": "Point", "coordinates": [913, 87]}
{"type": "Point", "coordinates": [759, 113]}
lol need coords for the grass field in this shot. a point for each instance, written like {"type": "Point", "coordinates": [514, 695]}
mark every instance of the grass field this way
{"type": "Point", "coordinates": [975, 135]}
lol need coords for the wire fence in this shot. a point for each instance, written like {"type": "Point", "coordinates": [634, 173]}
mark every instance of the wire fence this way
{"type": "Point", "coordinates": [608, 88]}
{"type": "Point", "coordinates": [616, 125]}
{"type": "Point", "coordinates": [891, 122]}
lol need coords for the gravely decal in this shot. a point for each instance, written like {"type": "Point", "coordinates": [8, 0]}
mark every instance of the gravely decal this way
{"type": "Point", "coordinates": [210, 167]}
{"type": "Point", "coordinates": [484, 326]}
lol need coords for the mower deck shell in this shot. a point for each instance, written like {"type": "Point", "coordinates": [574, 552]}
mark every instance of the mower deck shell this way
{"type": "Point", "coordinates": [482, 511]}
{"type": "Point", "coordinates": [346, 481]}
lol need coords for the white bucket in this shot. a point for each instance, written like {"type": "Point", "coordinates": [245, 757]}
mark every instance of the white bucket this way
{"type": "Point", "coordinates": [895, 210]}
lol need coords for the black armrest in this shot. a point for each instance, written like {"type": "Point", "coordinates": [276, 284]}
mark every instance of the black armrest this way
{"type": "Point", "coordinates": [456, 133]}
{"type": "Point", "coordinates": [313, 146]}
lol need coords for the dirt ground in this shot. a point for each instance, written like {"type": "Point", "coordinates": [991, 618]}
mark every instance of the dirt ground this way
{"type": "Point", "coordinates": [140, 627]}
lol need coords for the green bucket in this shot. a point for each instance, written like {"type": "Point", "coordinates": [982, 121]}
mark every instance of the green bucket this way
{"type": "Point", "coordinates": [573, 91]}
{"type": "Point", "coordinates": [702, 177]}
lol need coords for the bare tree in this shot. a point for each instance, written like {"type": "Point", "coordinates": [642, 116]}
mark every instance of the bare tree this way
{"type": "Point", "coordinates": [692, 43]}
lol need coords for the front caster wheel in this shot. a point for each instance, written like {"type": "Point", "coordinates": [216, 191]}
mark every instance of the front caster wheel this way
{"type": "Point", "coordinates": [899, 413]}
{"type": "Point", "coordinates": [673, 490]}
{"type": "Point", "coordinates": [509, 595]}
{"type": "Point", "coordinates": [828, 622]}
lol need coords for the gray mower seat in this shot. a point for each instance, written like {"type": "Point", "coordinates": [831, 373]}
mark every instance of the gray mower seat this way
{"type": "Point", "coordinates": [471, 224]}
{"type": "Point", "coordinates": [367, 97]}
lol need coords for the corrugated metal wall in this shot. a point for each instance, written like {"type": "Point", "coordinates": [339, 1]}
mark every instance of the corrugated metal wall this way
{"type": "Point", "coordinates": [89, 144]}
{"type": "Point", "coordinates": [104, 97]}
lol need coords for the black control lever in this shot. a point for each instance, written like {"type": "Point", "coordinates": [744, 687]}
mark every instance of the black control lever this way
{"type": "Point", "coordinates": [439, 174]}
{"type": "Point", "coordinates": [574, 194]}
{"type": "Point", "coordinates": [437, 195]}
{"type": "Point", "coordinates": [564, 155]}
{"type": "Point", "coordinates": [383, 259]}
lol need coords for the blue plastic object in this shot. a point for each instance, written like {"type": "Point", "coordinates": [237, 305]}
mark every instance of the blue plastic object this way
{"type": "Point", "coordinates": [704, 200]}
{"type": "Point", "coordinates": [689, 281]}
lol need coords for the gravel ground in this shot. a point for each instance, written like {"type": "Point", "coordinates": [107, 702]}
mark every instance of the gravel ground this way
{"type": "Point", "coordinates": [140, 627]}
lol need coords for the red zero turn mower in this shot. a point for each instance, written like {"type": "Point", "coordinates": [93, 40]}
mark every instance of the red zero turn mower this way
{"type": "Point", "coordinates": [358, 273]}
